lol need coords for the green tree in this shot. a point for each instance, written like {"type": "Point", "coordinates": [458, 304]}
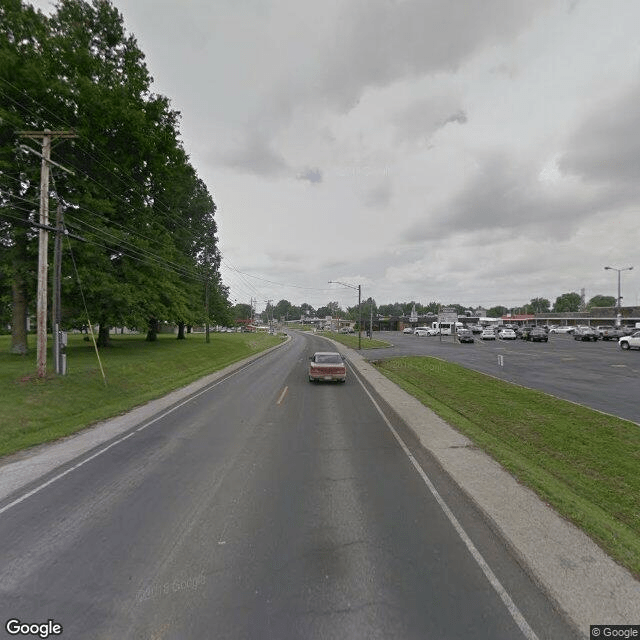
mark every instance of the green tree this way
{"type": "Point", "coordinates": [538, 305]}
{"type": "Point", "coordinates": [147, 217]}
{"type": "Point", "coordinates": [432, 307]}
{"type": "Point", "coordinates": [307, 310]}
{"type": "Point", "coordinates": [282, 310]}
{"type": "Point", "coordinates": [332, 309]}
{"type": "Point", "coordinates": [601, 301]}
{"type": "Point", "coordinates": [150, 249]}
{"type": "Point", "coordinates": [26, 99]}
{"type": "Point", "coordinates": [497, 312]}
{"type": "Point", "coordinates": [242, 311]}
{"type": "Point", "coordinates": [389, 310]}
{"type": "Point", "coordinates": [567, 302]}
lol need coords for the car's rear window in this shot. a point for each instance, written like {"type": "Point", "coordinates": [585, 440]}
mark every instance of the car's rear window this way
{"type": "Point", "coordinates": [328, 358]}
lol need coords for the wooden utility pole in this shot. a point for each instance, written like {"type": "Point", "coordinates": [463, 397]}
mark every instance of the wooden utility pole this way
{"type": "Point", "coordinates": [56, 306]}
{"type": "Point", "coordinates": [41, 313]}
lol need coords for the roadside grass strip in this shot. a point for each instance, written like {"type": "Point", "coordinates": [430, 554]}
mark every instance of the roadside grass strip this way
{"type": "Point", "coordinates": [351, 341]}
{"type": "Point", "coordinates": [583, 463]}
{"type": "Point", "coordinates": [33, 410]}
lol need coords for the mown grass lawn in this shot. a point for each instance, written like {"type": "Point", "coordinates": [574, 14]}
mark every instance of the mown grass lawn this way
{"type": "Point", "coordinates": [35, 410]}
{"type": "Point", "coordinates": [584, 463]}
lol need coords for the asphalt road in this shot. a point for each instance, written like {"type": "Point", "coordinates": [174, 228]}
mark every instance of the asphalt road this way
{"type": "Point", "coordinates": [265, 507]}
{"type": "Point", "coordinates": [596, 374]}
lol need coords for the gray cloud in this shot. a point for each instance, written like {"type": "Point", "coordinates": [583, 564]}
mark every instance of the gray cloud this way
{"type": "Point", "coordinates": [460, 117]}
{"type": "Point", "coordinates": [256, 157]}
{"type": "Point", "coordinates": [423, 118]}
{"type": "Point", "coordinates": [378, 42]}
{"type": "Point", "coordinates": [312, 175]}
{"type": "Point", "coordinates": [508, 197]}
{"type": "Point", "coordinates": [380, 196]}
{"type": "Point", "coordinates": [605, 148]}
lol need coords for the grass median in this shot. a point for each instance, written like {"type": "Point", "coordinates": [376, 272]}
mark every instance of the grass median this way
{"type": "Point", "coordinates": [36, 410]}
{"type": "Point", "coordinates": [582, 462]}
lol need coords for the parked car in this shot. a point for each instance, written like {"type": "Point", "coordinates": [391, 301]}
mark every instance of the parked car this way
{"type": "Point", "coordinates": [328, 366]}
{"type": "Point", "coordinates": [537, 334]}
{"type": "Point", "coordinates": [465, 335]}
{"type": "Point", "coordinates": [586, 334]}
{"type": "Point", "coordinates": [425, 331]}
{"type": "Point", "coordinates": [562, 329]}
{"type": "Point", "coordinates": [488, 334]}
{"type": "Point", "coordinates": [630, 342]}
{"type": "Point", "coordinates": [612, 333]}
{"type": "Point", "coordinates": [523, 332]}
{"type": "Point", "coordinates": [407, 330]}
{"type": "Point", "coordinates": [507, 334]}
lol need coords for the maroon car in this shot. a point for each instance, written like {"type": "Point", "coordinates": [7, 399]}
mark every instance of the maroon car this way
{"type": "Point", "coordinates": [328, 366]}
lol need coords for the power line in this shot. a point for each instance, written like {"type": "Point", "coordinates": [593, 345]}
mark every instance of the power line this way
{"type": "Point", "coordinates": [136, 187]}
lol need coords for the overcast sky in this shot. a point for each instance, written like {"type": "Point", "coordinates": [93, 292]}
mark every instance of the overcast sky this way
{"type": "Point", "coordinates": [479, 152]}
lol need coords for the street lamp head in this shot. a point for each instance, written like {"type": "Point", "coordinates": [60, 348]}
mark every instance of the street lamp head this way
{"type": "Point", "coordinates": [607, 268]}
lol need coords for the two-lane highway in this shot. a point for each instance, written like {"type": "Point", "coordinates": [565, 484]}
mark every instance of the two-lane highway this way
{"type": "Point", "coordinates": [265, 507]}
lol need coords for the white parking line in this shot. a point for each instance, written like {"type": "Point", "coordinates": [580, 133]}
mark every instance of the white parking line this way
{"type": "Point", "coordinates": [517, 616]}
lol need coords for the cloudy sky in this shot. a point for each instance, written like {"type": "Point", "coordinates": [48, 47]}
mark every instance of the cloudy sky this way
{"type": "Point", "coordinates": [481, 152]}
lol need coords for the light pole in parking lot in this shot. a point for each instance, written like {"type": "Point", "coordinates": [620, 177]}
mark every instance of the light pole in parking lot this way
{"type": "Point", "coordinates": [619, 300]}
{"type": "Point", "coordinates": [359, 288]}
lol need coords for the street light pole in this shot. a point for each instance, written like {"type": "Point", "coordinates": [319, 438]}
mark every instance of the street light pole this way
{"type": "Point", "coordinates": [359, 288]}
{"type": "Point", "coordinates": [619, 299]}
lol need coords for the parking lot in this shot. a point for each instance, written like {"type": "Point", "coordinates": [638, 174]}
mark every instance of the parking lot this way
{"type": "Point", "coordinates": [595, 374]}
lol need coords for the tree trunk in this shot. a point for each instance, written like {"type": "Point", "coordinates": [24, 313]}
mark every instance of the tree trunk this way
{"type": "Point", "coordinates": [181, 335]}
{"type": "Point", "coordinates": [103, 336]}
{"type": "Point", "coordinates": [189, 328]}
{"type": "Point", "coordinates": [19, 317]}
{"type": "Point", "coordinates": [152, 333]}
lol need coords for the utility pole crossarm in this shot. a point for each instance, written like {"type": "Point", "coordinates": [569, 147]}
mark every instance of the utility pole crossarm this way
{"type": "Point", "coordinates": [24, 147]}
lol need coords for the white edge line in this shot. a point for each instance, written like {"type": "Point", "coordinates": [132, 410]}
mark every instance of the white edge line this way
{"type": "Point", "coordinates": [113, 444]}
{"type": "Point", "coordinates": [517, 616]}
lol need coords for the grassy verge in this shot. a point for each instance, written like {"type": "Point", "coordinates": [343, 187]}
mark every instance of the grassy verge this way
{"type": "Point", "coordinates": [584, 463]}
{"type": "Point", "coordinates": [39, 410]}
{"type": "Point", "coordinates": [350, 340]}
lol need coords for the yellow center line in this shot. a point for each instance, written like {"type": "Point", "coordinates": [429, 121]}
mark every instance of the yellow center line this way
{"type": "Point", "coordinates": [282, 395]}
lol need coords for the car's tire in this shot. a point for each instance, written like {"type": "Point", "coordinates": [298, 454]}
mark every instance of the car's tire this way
{"type": "Point", "coordinates": [624, 345]}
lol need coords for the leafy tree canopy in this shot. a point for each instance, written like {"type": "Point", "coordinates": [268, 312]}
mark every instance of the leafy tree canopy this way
{"type": "Point", "coordinates": [147, 220]}
{"type": "Point", "coordinates": [601, 301]}
{"type": "Point", "coordinates": [538, 305]}
{"type": "Point", "coordinates": [567, 302]}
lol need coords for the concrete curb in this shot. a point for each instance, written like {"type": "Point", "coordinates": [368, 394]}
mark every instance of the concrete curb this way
{"type": "Point", "coordinates": [582, 579]}
{"type": "Point", "coordinates": [24, 467]}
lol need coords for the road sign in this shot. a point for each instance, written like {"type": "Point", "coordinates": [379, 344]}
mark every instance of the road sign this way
{"type": "Point", "coordinates": [447, 314]}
